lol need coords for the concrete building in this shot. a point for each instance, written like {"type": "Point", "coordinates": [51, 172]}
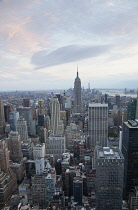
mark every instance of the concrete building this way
{"type": "Point", "coordinates": [4, 159]}
{"type": "Point", "coordinates": [39, 166]}
{"type": "Point", "coordinates": [2, 118]}
{"type": "Point", "coordinates": [130, 152]}
{"type": "Point", "coordinates": [7, 186]}
{"type": "Point", "coordinates": [14, 145]}
{"type": "Point", "coordinates": [77, 95]}
{"type": "Point", "coordinates": [41, 107]}
{"type": "Point", "coordinates": [39, 151]}
{"type": "Point", "coordinates": [22, 128]}
{"type": "Point", "coordinates": [13, 118]}
{"type": "Point", "coordinates": [57, 127]}
{"type": "Point", "coordinates": [109, 178]}
{"type": "Point", "coordinates": [26, 113]}
{"type": "Point", "coordinates": [97, 124]}
{"type": "Point", "coordinates": [26, 102]}
{"type": "Point", "coordinates": [55, 146]}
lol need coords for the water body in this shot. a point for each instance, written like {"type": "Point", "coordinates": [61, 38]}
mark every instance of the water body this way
{"type": "Point", "coordinates": [113, 92]}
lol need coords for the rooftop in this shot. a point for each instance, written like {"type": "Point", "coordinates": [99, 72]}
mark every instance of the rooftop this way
{"type": "Point", "coordinates": [109, 153]}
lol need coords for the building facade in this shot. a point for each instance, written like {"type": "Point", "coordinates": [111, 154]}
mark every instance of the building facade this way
{"type": "Point", "coordinates": [77, 94]}
{"type": "Point", "coordinates": [98, 124]}
{"type": "Point", "coordinates": [109, 178]}
{"type": "Point", "coordinates": [130, 152]}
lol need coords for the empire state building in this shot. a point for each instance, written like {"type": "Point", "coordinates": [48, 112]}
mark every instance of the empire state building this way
{"type": "Point", "coordinates": [77, 94]}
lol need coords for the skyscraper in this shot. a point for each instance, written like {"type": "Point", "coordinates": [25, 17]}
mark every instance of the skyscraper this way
{"type": "Point", "coordinates": [137, 106]}
{"type": "Point", "coordinates": [98, 124]}
{"type": "Point", "coordinates": [2, 118]}
{"type": "Point", "coordinates": [14, 145]}
{"type": "Point", "coordinates": [56, 123]}
{"type": "Point", "coordinates": [109, 178]}
{"type": "Point", "coordinates": [78, 189]}
{"type": "Point", "coordinates": [77, 94]}
{"type": "Point", "coordinates": [130, 152]}
{"type": "Point", "coordinates": [22, 129]}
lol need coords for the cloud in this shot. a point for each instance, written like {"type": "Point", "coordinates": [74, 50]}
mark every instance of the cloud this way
{"type": "Point", "coordinates": [67, 54]}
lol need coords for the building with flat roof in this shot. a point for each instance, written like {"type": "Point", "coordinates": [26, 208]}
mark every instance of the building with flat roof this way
{"type": "Point", "coordinates": [109, 178]}
{"type": "Point", "coordinates": [97, 124]}
{"type": "Point", "coordinates": [130, 152]}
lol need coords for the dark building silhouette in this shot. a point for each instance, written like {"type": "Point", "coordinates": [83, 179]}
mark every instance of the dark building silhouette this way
{"type": "Point", "coordinates": [130, 152]}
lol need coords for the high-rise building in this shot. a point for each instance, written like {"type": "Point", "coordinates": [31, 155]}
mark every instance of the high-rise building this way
{"type": "Point", "coordinates": [7, 110]}
{"type": "Point", "coordinates": [14, 145]}
{"type": "Point", "coordinates": [57, 126]}
{"type": "Point", "coordinates": [13, 117]}
{"type": "Point", "coordinates": [22, 128]}
{"type": "Point", "coordinates": [26, 102]}
{"type": "Point", "coordinates": [130, 152]}
{"type": "Point", "coordinates": [109, 178]}
{"type": "Point", "coordinates": [26, 113]}
{"type": "Point", "coordinates": [77, 94]}
{"type": "Point", "coordinates": [117, 100]}
{"type": "Point", "coordinates": [55, 146]}
{"type": "Point", "coordinates": [137, 106]}
{"type": "Point", "coordinates": [2, 118]}
{"type": "Point", "coordinates": [39, 151]}
{"type": "Point", "coordinates": [78, 189]}
{"type": "Point", "coordinates": [7, 186]}
{"type": "Point", "coordinates": [4, 157]}
{"type": "Point", "coordinates": [131, 110]}
{"type": "Point", "coordinates": [98, 124]}
{"type": "Point", "coordinates": [41, 107]}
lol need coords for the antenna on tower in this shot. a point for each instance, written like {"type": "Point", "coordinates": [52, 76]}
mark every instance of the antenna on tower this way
{"type": "Point", "coordinates": [77, 71]}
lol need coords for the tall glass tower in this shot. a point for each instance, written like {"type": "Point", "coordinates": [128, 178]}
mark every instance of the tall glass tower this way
{"type": "Point", "coordinates": [77, 94]}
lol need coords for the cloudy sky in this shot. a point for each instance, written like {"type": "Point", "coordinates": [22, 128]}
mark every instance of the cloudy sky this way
{"type": "Point", "coordinates": [43, 41]}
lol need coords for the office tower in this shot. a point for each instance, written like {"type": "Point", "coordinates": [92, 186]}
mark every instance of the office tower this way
{"type": "Point", "coordinates": [50, 185]}
{"type": "Point", "coordinates": [57, 126]}
{"type": "Point", "coordinates": [7, 110]}
{"type": "Point", "coordinates": [2, 118]}
{"type": "Point", "coordinates": [109, 178]}
{"type": "Point", "coordinates": [61, 101]}
{"type": "Point", "coordinates": [41, 107]}
{"type": "Point", "coordinates": [97, 124]}
{"type": "Point", "coordinates": [77, 94]}
{"type": "Point", "coordinates": [39, 166]}
{"type": "Point", "coordinates": [22, 129]}
{"type": "Point", "coordinates": [26, 102]}
{"type": "Point", "coordinates": [117, 100]}
{"type": "Point", "coordinates": [106, 98]}
{"type": "Point", "coordinates": [38, 190]}
{"type": "Point", "coordinates": [78, 189]}
{"type": "Point", "coordinates": [41, 120]}
{"type": "Point", "coordinates": [137, 106]}
{"type": "Point", "coordinates": [27, 149]}
{"type": "Point", "coordinates": [4, 158]}
{"type": "Point", "coordinates": [130, 152]}
{"type": "Point", "coordinates": [39, 151]}
{"type": "Point", "coordinates": [13, 117]}
{"type": "Point", "coordinates": [26, 113]}
{"type": "Point", "coordinates": [131, 110]}
{"type": "Point", "coordinates": [7, 186]}
{"type": "Point", "coordinates": [42, 133]}
{"type": "Point", "coordinates": [56, 146]}
{"type": "Point", "coordinates": [14, 145]}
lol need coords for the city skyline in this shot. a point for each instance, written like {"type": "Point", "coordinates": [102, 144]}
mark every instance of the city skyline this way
{"type": "Point", "coordinates": [42, 42]}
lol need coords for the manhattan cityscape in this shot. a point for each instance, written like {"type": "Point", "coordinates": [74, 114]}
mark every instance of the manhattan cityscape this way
{"type": "Point", "coordinates": [68, 105]}
{"type": "Point", "coordinates": [73, 149]}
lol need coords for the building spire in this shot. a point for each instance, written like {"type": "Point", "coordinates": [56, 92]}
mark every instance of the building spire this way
{"type": "Point", "coordinates": [77, 72]}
